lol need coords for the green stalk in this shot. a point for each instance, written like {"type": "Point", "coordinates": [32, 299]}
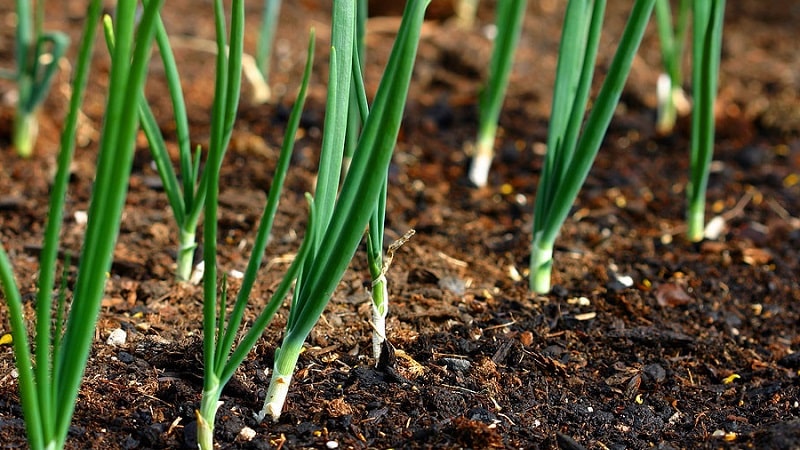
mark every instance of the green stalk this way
{"type": "Point", "coordinates": [375, 236]}
{"type": "Point", "coordinates": [356, 201]}
{"type": "Point", "coordinates": [510, 14]}
{"type": "Point", "coordinates": [266, 36]}
{"type": "Point", "coordinates": [570, 154]}
{"type": "Point", "coordinates": [186, 198]}
{"type": "Point", "coordinates": [48, 393]}
{"type": "Point", "coordinates": [226, 97]}
{"type": "Point", "coordinates": [574, 73]}
{"type": "Point", "coordinates": [330, 164]}
{"type": "Point", "coordinates": [354, 117]}
{"type": "Point", "coordinates": [28, 383]}
{"type": "Point", "coordinates": [706, 46]}
{"type": "Point", "coordinates": [375, 230]}
{"type": "Point", "coordinates": [129, 64]}
{"type": "Point", "coordinates": [265, 228]}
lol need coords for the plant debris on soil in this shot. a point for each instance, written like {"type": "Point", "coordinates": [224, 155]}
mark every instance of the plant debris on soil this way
{"type": "Point", "coordinates": [646, 341]}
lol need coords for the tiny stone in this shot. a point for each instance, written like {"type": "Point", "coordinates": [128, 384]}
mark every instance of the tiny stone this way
{"type": "Point", "coordinates": [117, 337]}
{"type": "Point", "coordinates": [332, 444]}
{"type": "Point", "coordinates": [236, 274]}
{"type": "Point", "coordinates": [125, 357]}
{"type": "Point", "coordinates": [625, 280]}
{"type": "Point", "coordinates": [456, 364]}
{"type": "Point", "coordinates": [714, 228]}
{"type": "Point", "coordinates": [246, 434]}
{"type": "Point", "coordinates": [10, 202]}
{"type": "Point", "coordinates": [481, 414]}
{"type": "Point", "coordinates": [656, 372]}
{"type": "Point", "coordinates": [81, 217]}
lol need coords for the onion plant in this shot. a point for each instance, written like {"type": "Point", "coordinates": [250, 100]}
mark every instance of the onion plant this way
{"type": "Point", "coordinates": [671, 96]}
{"type": "Point", "coordinates": [379, 288]}
{"type": "Point", "coordinates": [187, 196]}
{"type": "Point", "coordinates": [706, 45]}
{"type": "Point", "coordinates": [510, 14]}
{"type": "Point", "coordinates": [339, 222]}
{"type": "Point", "coordinates": [50, 373]}
{"type": "Point", "coordinates": [572, 145]}
{"type": "Point", "coordinates": [37, 55]}
{"type": "Point", "coordinates": [222, 354]}
{"type": "Point", "coordinates": [377, 261]}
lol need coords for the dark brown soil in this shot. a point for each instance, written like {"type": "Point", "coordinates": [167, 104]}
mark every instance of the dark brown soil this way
{"type": "Point", "coordinates": [701, 351]}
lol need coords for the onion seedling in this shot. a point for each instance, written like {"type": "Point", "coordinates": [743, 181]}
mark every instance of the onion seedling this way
{"type": "Point", "coordinates": [340, 222]}
{"type": "Point", "coordinates": [378, 266]}
{"type": "Point", "coordinates": [50, 375]}
{"type": "Point", "coordinates": [570, 153]}
{"type": "Point", "coordinates": [510, 14]}
{"type": "Point", "coordinates": [706, 46]}
{"type": "Point", "coordinates": [330, 169]}
{"type": "Point", "coordinates": [671, 96]}
{"type": "Point", "coordinates": [221, 353]}
{"type": "Point", "coordinates": [37, 55]}
{"type": "Point", "coordinates": [186, 198]}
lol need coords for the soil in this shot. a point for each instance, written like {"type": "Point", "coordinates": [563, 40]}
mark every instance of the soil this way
{"type": "Point", "coordinates": [647, 340]}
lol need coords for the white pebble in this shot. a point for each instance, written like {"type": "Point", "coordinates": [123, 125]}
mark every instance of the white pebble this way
{"type": "Point", "coordinates": [246, 434]}
{"type": "Point", "coordinates": [117, 337]}
{"type": "Point", "coordinates": [714, 228]}
{"type": "Point", "coordinates": [236, 274]}
{"type": "Point", "coordinates": [81, 217]}
{"type": "Point", "coordinates": [625, 280]}
{"type": "Point", "coordinates": [332, 444]}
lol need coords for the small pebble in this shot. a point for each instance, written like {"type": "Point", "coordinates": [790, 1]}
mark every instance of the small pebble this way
{"type": "Point", "coordinates": [714, 228]}
{"type": "Point", "coordinates": [81, 217]}
{"type": "Point", "coordinates": [456, 364]}
{"type": "Point", "coordinates": [236, 274]}
{"type": "Point", "coordinates": [246, 434]}
{"type": "Point", "coordinates": [332, 444]}
{"type": "Point", "coordinates": [117, 337]}
{"type": "Point", "coordinates": [125, 357]}
{"type": "Point", "coordinates": [625, 280]}
{"type": "Point", "coordinates": [655, 372]}
{"type": "Point", "coordinates": [481, 414]}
